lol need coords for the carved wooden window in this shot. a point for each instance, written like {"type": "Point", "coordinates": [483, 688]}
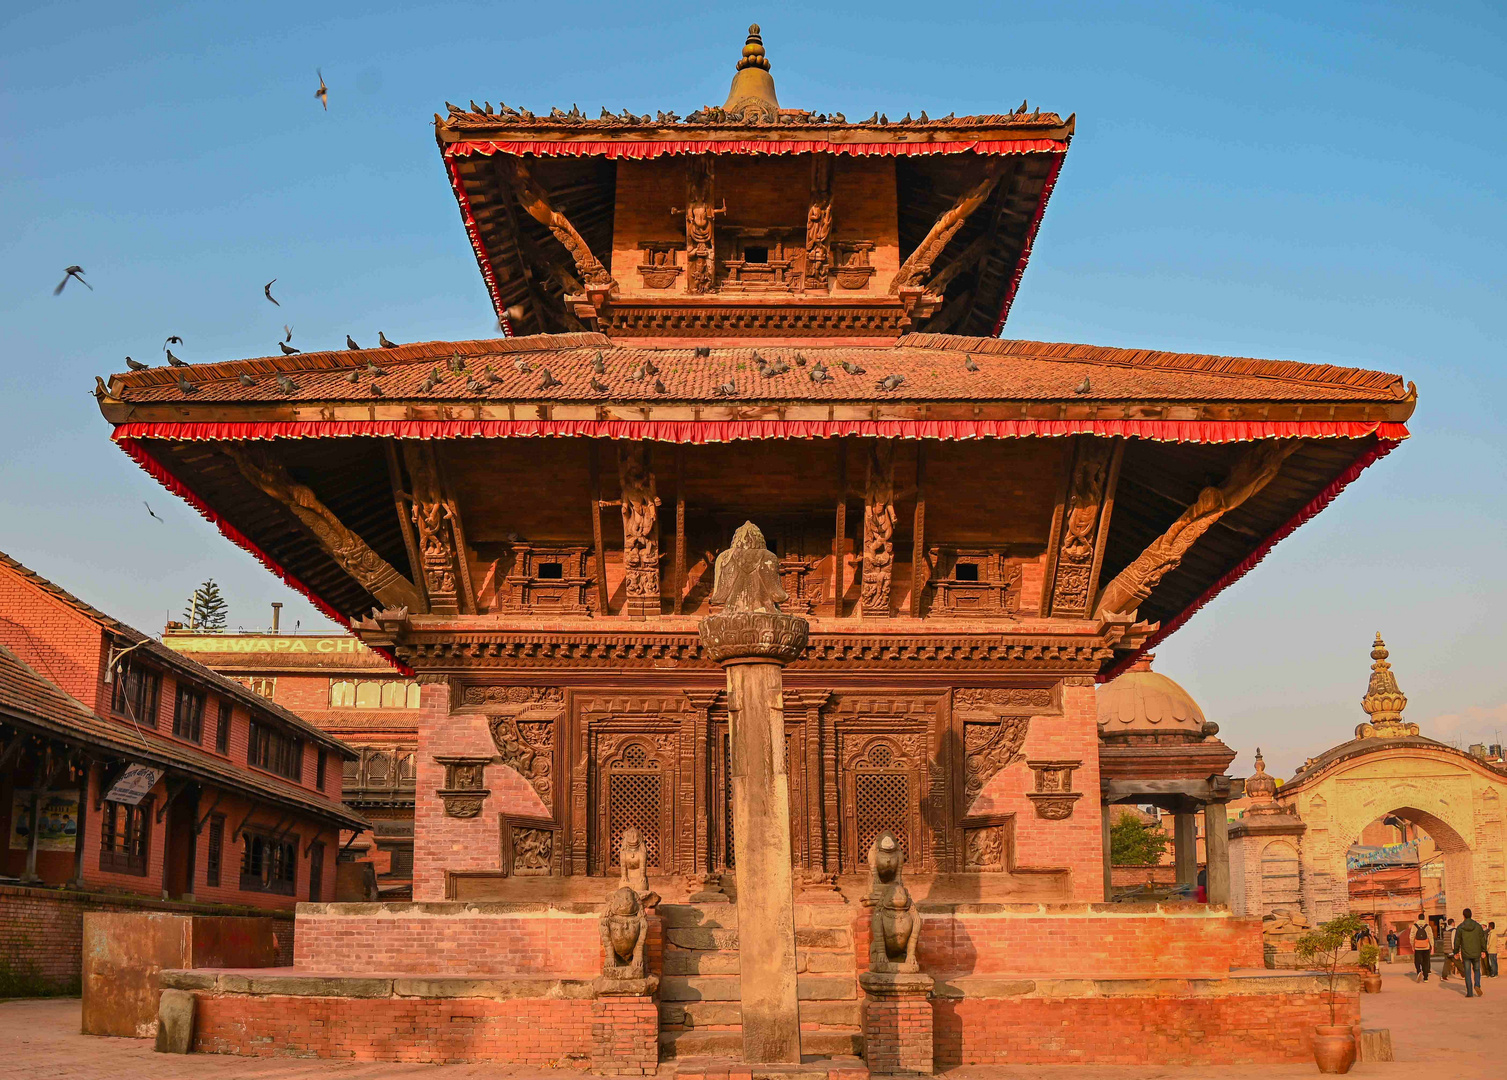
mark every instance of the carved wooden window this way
{"type": "Point", "coordinates": [974, 582]}
{"type": "Point", "coordinates": [125, 837]}
{"type": "Point", "coordinates": [276, 751]}
{"type": "Point", "coordinates": [636, 789]}
{"type": "Point", "coordinates": [549, 580]}
{"type": "Point", "coordinates": [136, 693]}
{"type": "Point", "coordinates": [215, 857]}
{"type": "Point", "coordinates": [188, 714]}
{"type": "Point", "coordinates": [881, 788]}
{"type": "Point", "coordinates": [634, 795]}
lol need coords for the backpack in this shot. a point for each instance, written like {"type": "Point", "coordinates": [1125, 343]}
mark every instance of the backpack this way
{"type": "Point", "coordinates": [1420, 933]}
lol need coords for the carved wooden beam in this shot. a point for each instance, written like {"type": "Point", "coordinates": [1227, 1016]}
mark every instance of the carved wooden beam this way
{"type": "Point", "coordinates": [404, 506]}
{"type": "Point", "coordinates": [536, 204]}
{"type": "Point", "coordinates": [439, 557]}
{"type": "Point", "coordinates": [640, 507]}
{"type": "Point", "coordinates": [376, 575]}
{"type": "Point", "coordinates": [878, 529]}
{"type": "Point", "coordinates": [915, 268]}
{"type": "Point", "coordinates": [1079, 546]}
{"type": "Point", "coordinates": [1251, 473]}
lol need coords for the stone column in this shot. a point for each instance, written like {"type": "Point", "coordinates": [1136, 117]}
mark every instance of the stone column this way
{"type": "Point", "coordinates": [1185, 845]}
{"type": "Point", "coordinates": [753, 641]}
{"type": "Point", "coordinates": [1106, 816]}
{"type": "Point", "coordinates": [1217, 850]}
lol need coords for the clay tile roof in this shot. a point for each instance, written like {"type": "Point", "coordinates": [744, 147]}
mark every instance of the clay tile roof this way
{"type": "Point", "coordinates": [624, 122]}
{"type": "Point", "coordinates": [177, 662]}
{"type": "Point", "coordinates": [933, 366]}
{"type": "Point", "coordinates": [29, 697]}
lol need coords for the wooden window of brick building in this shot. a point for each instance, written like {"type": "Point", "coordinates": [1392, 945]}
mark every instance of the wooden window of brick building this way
{"type": "Point", "coordinates": [222, 730]}
{"type": "Point", "coordinates": [316, 872]}
{"type": "Point", "coordinates": [216, 855]}
{"type": "Point", "coordinates": [125, 837]}
{"type": "Point", "coordinates": [276, 751]}
{"type": "Point", "coordinates": [270, 864]}
{"type": "Point", "coordinates": [135, 694]}
{"type": "Point", "coordinates": [319, 771]}
{"type": "Point", "coordinates": [374, 694]}
{"type": "Point", "coordinates": [188, 714]}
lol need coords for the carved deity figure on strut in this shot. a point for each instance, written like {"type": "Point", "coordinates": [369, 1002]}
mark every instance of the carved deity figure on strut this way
{"type": "Point", "coordinates": [895, 926]}
{"type": "Point", "coordinates": [747, 575]}
{"type": "Point", "coordinates": [624, 930]}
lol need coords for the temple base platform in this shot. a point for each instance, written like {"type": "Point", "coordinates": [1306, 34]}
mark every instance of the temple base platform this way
{"type": "Point", "coordinates": [1015, 983]}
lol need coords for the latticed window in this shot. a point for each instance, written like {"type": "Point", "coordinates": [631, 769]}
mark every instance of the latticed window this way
{"type": "Point", "coordinates": [634, 802]}
{"type": "Point", "coordinates": [881, 804]}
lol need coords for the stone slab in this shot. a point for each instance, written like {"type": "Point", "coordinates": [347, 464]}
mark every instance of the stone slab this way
{"type": "Point", "coordinates": [175, 1022]}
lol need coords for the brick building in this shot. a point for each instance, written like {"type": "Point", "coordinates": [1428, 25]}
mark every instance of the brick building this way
{"type": "Point", "coordinates": [345, 689]}
{"type": "Point", "coordinates": [128, 769]}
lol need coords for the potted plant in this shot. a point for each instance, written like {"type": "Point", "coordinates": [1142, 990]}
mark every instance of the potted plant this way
{"type": "Point", "coordinates": [1325, 948]}
{"type": "Point", "coordinates": [1370, 982]}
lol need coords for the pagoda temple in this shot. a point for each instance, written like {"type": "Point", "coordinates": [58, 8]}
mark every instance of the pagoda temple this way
{"type": "Point", "coordinates": [757, 312]}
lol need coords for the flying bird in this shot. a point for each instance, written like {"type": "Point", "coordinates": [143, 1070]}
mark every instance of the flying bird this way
{"type": "Point", "coordinates": [171, 359]}
{"type": "Point", "coordinates": [286, 385]}
{"type": "Point", "coordinates": [172, 339]}
{"type": "Point", "coordinates": [350, 343]}
{"type": "Point", "coordinates": [152, 512]}
{"type": "Point", "coordinates": [136, 365]}
{"type": "Point", "coordinates": [382, 341]}
{"type": "Point", "coordinates": [246, 380]}
{"type": "Point", "coordinates": [323, 93]}
{"type": "Point", "coordinates": [969, 364]}
{"type": "Point", "coordinates": [75, 272]}
{"type": "Point", "coordinates": [549, 381]}
{"type": "Point", "coordinates": [287, 332]}
{"type": "Point", "coordinates": [1082, 388]}
{"type": "Point", "coordinates": [599, 386]}
{"type": "Point", "coordinates": [288, 350]}
{"type": "Point", "coordinates": [267, 291]}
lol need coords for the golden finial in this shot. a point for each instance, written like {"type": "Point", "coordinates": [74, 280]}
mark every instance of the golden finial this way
{"type": "Point", "coordinates": [1384, 700]}
{"type": "Point", "coordinates": [753, 51]}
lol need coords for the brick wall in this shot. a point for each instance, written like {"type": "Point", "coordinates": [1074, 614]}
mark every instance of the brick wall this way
{"type": "Point", "coordinates": [526, 1031]}
{"type": "Point", "coordinates": [59, 642]}
{"type": "Point", "coordinates": [624, 1036]}
{"type": "Point", "coordinates": [445, 843]}
{"type": "Point", "coordinates": [42, 932]}
{"type": "Point", "coordinates": [1076, 843]}
{"type": "Point", "coordinates": [459, 939]}
{"type": "Point", "coordinates": [897, 1034]}
{"type": "Point", "coordinates": [1133, 1030]}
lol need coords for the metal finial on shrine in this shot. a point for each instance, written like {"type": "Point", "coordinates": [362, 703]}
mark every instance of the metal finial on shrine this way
{"type": "Point", "coordinates": [751, 97]}
{"type": "Point", "coordinates": [1384, 700]}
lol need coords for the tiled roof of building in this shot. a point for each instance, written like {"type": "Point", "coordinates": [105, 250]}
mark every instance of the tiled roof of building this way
{"type": "Point", "coordinates": [933, 367]}
{"type": "Point", "coordinates": [176, 661]}
{"type": "Point", "coordinates": [29, 697]}
{"type": "Point", "coordinates": [485, 119]}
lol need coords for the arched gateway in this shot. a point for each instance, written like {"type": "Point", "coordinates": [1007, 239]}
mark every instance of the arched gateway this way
{"type": "Point", "coordinates": [1389, 773]}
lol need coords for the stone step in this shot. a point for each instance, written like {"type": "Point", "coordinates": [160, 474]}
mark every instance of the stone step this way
{"type": "Point", "coordinates": [708, 937]}
{"type": "Point", "coordinates": [725, 988]}
{"type": "Point", "coordinates": [812, 1067]}
{"type": "Point", "coordinates": [725, 916]}
{"type": "Point", "coordinates": [725, 962]}
{"type": "Point", "coordinates": [730, 1042]}
{"type": "Point", "coordinates": [699, 1014]}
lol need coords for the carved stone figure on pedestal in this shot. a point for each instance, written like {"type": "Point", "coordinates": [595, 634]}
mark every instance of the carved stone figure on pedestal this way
{"type": "Point", "coordinates": [898, 993]}
{"type": "Point", "coordinates": [624, 929]}
{"type": "Point", "coordinates": [632, 858]}
{"type": "Point", "coordinates": [896, 923]}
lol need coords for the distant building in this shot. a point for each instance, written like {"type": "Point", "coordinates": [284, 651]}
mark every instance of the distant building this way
{"type": "Point", "coordinates": [336, 683]}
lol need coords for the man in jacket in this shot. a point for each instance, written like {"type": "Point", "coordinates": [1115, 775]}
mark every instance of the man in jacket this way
{"type": "Point", "coordinates": [1491, 948]}
{"type": "Point", "coordinates": [1470, 946]}
{"type": "Point", "coordinates": [1423, 947]}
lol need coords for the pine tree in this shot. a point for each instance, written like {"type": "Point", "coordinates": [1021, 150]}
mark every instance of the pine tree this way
{"type": "Point", "coordinates": [206, 608]}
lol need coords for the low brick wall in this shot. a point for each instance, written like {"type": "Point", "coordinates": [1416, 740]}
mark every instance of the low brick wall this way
{"type": "Point", "coordinates": [483, 939]}
{"type": "Point", "coordinates": [1111, 941]}
{"type": "Point", "coordinates": [1169, 1022]}
{"type": "Point", "coordinates": [42, 934]}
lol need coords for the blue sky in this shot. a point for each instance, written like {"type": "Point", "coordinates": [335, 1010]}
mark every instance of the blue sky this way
{"type": "Point", "coordinates": [1308, 181]}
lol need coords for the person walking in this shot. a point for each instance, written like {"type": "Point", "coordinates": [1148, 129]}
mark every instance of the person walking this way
{"type": "Point", "coordinates": [1392, 942]}
{"type": "Point", "coordinates": [1491, 949]}
{"type": "Point", "coordinates": [1423, 946]}
{"type": "Point", "coordinates": [1470, 946]}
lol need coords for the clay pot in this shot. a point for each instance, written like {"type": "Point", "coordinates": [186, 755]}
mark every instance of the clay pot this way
{"type": "Point", "coordinates": [1370, 982]}
{"type": "Point", "coordinates": [1333, 1048]}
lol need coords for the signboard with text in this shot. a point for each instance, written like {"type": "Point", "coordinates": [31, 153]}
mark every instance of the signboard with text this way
{"type": "Point", "coordinates": [134, 784]}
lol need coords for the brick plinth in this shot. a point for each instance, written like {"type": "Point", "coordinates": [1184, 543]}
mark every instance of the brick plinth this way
{"type": "Point", "coordinates": [897, 1026]}
{"type": "Point", "coordinates": [624, 1035]}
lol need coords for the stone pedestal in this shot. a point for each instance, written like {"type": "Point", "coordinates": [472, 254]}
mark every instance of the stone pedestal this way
{"type": "Point", "coordinates": [625, 1030]}
{"type": "Point", "coordinates": [753, 647]}
{"type": "Point", "coordinates": [897, 1023]}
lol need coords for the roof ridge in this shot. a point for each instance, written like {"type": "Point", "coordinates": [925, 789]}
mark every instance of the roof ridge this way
{"type": "Point", "coordinates": [1291, 371]}
{"type": "Point", "coordinates": [416, 352]}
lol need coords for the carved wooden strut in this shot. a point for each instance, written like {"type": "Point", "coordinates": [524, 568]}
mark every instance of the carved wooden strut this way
{"type": "Point", "coordinates": [536, 203]}
{"type": "Point", "coordinates": [439, 557]}
{"type": "Point", "coordinates": [879, 529]}
{"type": "Point", "coordinates": [916, 268]}
{"type": "Point", "coordinates": [352, 553]}
{"type": "Point", "coordinates": [1251, 473]}
{"type": "Point", "coordinates": [640, 506]}
{"type": "Point", "coordinates": [1073, 587]}
{"type": "Point", "coordinates": [819, 223]}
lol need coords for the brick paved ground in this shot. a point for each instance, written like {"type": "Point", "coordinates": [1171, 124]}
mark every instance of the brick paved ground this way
{"type": "Point", "coordinates": [1436, 1032]}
